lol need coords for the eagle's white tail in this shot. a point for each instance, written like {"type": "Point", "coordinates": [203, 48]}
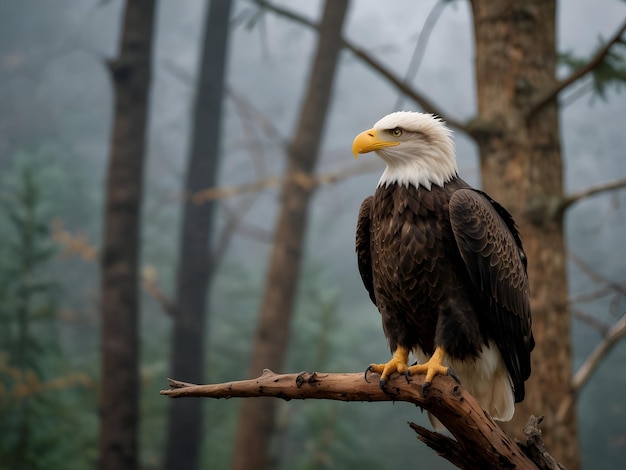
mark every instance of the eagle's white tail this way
{"type": "Point", "coordinates": [485, 378]}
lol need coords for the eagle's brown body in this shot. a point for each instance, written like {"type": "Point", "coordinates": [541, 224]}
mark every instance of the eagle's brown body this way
{"type": "Point", "coordinates": [448, 276]}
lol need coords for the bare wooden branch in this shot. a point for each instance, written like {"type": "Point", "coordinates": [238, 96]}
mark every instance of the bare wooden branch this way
{"type": "Point", "coordinates": [73, 243]}
{"type": "Point", "coordinates": [592, 321]}
{"type": "Point", "coordinates": [150, 284]}
{"type": "Point", "coordinates": [592, 191]}
{"type": "Point", "coordinates": [443, 445]}
{"type": "Point", "coordinates": [478, 441]}
{"type": "Point", "coordinates": [534, 448]}
{"type": "Point", "coordinates": [575, 95]}
{"type": "Point", "coordinates": [77, 244]}
{"type": "Point", "coordinates": [234, 218]}
{"type": "Point", "coordinates": [577, 74]}
{"type": "Point", "coordinates": [582, 376]}
{"type": "Point", "coordinates": [595, 275]}
{"type": "Point", "coordinates": [426, 104]}
{"type": "Point", "coordinates": [593, 295]}
{"type": "Point", "coordinates": [252, 114]}
{"type": "Point", "coordinates": [616, 333]}
{"type": "Point", "coordinates": [420, 46]}
{"type": "Point", "coordinates": [309, 182]}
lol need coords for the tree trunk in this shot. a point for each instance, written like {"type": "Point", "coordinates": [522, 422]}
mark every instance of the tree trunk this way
{"type": "Point", "coordinates": [119, 401]}
{"type": "Point", "coordinates": [184, 433]}
{"type": "Point", "coordinates": [256, 418]}
{"type": "Point", "coordinates": [522, 168]}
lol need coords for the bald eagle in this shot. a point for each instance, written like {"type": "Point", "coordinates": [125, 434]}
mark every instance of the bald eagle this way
{"type": "Point", "coordinates": [444, 264]}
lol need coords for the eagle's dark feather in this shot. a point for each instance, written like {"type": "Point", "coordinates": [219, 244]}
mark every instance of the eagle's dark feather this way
{"type": "Point", "coordinates": [445, 267]}
{"type": "Point", "coordinates": [363, 246]}
{"type": "Point", "coordinates": [495, 260]}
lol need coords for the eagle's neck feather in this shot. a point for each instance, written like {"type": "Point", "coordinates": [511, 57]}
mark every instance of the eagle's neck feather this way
{"type": "Point", "coordinates": [432, 166]}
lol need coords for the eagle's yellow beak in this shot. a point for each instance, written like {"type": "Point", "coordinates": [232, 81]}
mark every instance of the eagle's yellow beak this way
{"type": "Point", "coordinates": [368, 141]}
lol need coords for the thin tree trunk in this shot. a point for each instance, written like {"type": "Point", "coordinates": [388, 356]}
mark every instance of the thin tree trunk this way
{"type": "Point", "coordinates": [119, 401]}
{"type": "Point", "coordinates": [184, 433]}
{"type": "Point", "coordinates": [522, 168]}
{"type": "Point", "coordinates": [256, 418]}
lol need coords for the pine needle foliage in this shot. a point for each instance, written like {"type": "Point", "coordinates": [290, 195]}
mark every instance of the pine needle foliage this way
{"type": "Point", "coordinates": [38, 400]}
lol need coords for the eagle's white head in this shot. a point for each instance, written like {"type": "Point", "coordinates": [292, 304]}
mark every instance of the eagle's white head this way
{"type": "Point", "coordinates": [416, 147]}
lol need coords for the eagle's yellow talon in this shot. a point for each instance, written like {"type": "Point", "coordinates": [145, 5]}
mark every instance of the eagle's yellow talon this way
{"type": "Point", "coordinates": [432, 367]}
{"type": "Point", "coordinates": [398, 363]}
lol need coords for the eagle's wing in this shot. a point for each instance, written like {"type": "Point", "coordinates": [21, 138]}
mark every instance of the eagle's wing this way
{"type": "Point", "coordinates": [491, 248]}
{"type": "Point", "coordinates": [363, 237]}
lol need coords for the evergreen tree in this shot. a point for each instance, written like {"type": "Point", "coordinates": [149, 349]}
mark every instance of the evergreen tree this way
{"type": "Point", "coordinates": [31, 392]}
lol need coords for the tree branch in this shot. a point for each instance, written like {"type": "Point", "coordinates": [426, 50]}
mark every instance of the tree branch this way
{"type": "Point", "coordinates": [420, 46]}
{"type": "Point", "coordinates": [534, 448]}
{"type": "Point", "coordinates": [582, 376]}
{"type": "Point", "coordinates": [593, 295]}
{"type": "Point", "coordinates": [442, 445]}
{"type": "Point", "coordinates": [594, 275]}
{"type": "Point", "coordinates": [478, 441]}
{"type": "Point", "coordinates": [307, 181]}
{"type": "Point", "coordinates": [150, 284]}
{"type": "Point", "coordinates": [73, 243]}
{"type": "Point", "coordinates": [577, 74]}
{"type": "Point", "coordinates": [617, 332]}
{"type": "Point", "coordinates": [592, 321]}
{"type": "Point", "coordinates": [301, 178]}
{"type": "Point", "coordinates": [426, 105]}
{"type": "Point", "coordinates": [572, 199]}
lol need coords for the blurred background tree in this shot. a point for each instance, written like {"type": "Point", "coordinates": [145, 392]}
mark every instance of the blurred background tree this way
{"type": "Point", "coordinates": [196, 261]}
{"type": "Point", "coordinates": [255, 430]}
{"type": "Point", "coordinates": [56, 102]}
{"type": "Point", "coordinates": [38, 395]}
{"type": "Point", "coordinates": [131, 74]}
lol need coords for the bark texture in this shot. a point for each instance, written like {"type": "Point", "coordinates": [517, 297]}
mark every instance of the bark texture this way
{"type": "Point", "coordinates": [256, 419]}
{"type": "Point", "coordinates": [119, 402]}
{"type": "Point", "coordinates": [522, 168]}
{"type": "Point", "coordinates": [184, 432]}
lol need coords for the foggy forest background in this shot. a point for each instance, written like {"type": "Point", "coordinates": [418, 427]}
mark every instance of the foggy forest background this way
{"type": "Point", "coordinates": [56, 117]}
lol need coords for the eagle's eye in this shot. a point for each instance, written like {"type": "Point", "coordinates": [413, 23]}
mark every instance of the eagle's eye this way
{"type": "Point", "coordinates": [397, 132]}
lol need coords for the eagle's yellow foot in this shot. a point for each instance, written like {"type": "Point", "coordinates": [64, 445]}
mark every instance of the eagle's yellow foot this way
{"type": "Point", "coordinates": [431, 368]}
{"type": "Point", "coordinates": [398, 363]}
